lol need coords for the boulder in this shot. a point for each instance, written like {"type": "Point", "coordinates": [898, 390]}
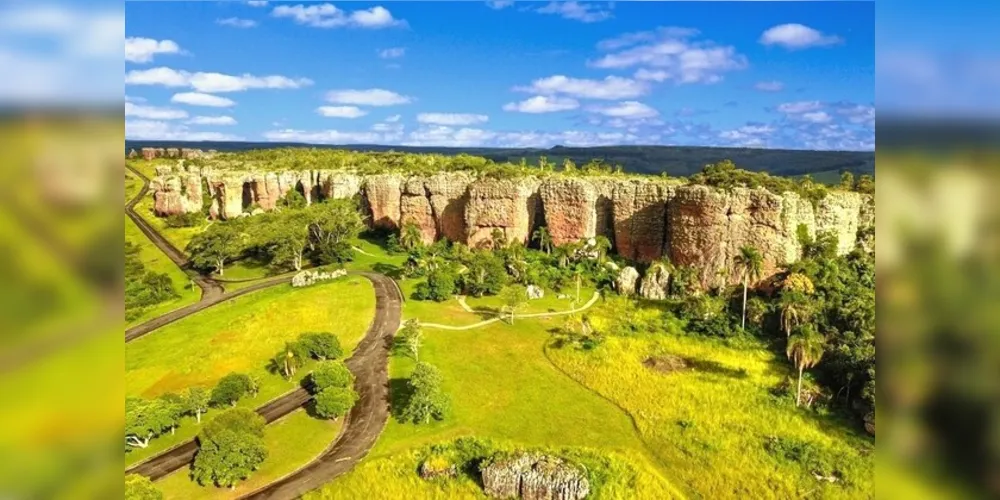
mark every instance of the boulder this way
{"type": "Point", "coordinates": [310, 277]}
{"type": "Point", "coordinates": [626, 280]}
{"type": "Point", "coordinates": [870, 423]}
{"type": "Point", "coordinates": [535, 292]}
{"type": "Point", "coordinates": [534, 477]}
{"type": "Point", "coordinates": [656, 283]}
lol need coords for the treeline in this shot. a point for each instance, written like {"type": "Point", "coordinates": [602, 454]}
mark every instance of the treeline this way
{"type": "Point", "coordinates": [143, 288]}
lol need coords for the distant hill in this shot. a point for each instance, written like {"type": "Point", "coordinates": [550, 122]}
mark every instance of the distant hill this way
{"type": "Point", "coordinates": [674, 160]}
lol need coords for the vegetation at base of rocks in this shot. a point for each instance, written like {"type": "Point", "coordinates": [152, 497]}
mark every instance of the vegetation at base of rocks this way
{"type": "Point", "coordinates": [230, 448]}
{"type": "Point", "coordinates": [425, 399]}
{"type": "Point", "coordinates": [284, 239]}
{"type": "Point", "coordinates": [612, 475]}
{"type": "Point", "coordinates": [193, 219]}
{"type": "Point", "coordinates": [141, 488]}
{"type": "Point", "coordinates": [143, 288]}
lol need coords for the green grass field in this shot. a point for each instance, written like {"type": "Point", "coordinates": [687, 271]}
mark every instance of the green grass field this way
{"type": "Point", "coordinates": [155, 260]}
{"type": "Point", "coordinates": [291, 443]}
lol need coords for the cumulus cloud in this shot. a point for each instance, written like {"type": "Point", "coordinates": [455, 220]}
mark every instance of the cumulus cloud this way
{"type": "Point", "coordinates": [153, 113]}
{"type": "Point", "coordinates": [394, 119]}
{"type": "Point", "coordinates": [584, 12]}
{"type": "Point", "coordinates": [770, 86]}
{"type": "Point", "coordinates": [795, 108]}
{"type": "Point", "coordinates": [672, 53]}
{"type": "Point", "coordinates": [392, 53]}
{"type": "Point", "coordinates": [649, 75]}
{"type": "Point", "coordinates": [367, 97]}
{"type": "Point", "coordinates": [797, 36]}
{"type": "Point", "coordinates": [857, 114]}
{"type": "Point", "coordinates": [212, 82]}
{"type": "Point", "coordinates": [328, 16]}
{"type": "Point", "coordinates": [143, 50]}
{"type": "Point", "coordinates": [610, 88]}
{"type": "Point", "coordinates": [200, 99]}
{"type": "Point", "coordinates": [236, 22]}
{"type": "Point", "coordinates": [165, 131]}
{"type": "Point", "coordinates": [499, 4]}
{"type": "Point", "coordinates": [816, 117]}
{"type": "Point", "coordinates": [451, 119]}
{"type": "Point", "coordinates": [341, 111]}
{"type": "Point", "coordinates": [748, 136]}
{"type": "Point", "coordinates": [324, 136]}
{"type": "Point", "coordinates": [625, 110]}
{"type": "Point", "coordinates": [212, 120]}
{"type": "Point", "coordinates": [543, 104]}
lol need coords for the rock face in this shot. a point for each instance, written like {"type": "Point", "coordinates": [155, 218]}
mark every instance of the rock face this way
{"type": "Point", "coordinates": [656, 283]}
{"type": "Point", "coordinates": [626, 281]}
{"type": "Point", "coordinates": [534, 477]}
{"type": "Point", "coordinates": [645, 218]}
{"type": "Point", "coordinates": [870, 423]}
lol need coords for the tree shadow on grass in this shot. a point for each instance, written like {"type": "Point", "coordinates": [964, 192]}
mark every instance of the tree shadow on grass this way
{"type": "Point", "coordinates": [399, 396]}
{"type": "Point", "coordinates": [394, 272]}
{"type": "Point", "coordinates": [716, 368]}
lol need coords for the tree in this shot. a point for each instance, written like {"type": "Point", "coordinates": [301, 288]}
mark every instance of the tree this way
{"type": "Point", "coordinates": [146, 419]}
{"type": "Point", "coordinates": [795, 310]}
{"type": "Point", "coordinates": [544, 239]}
{"type": "Point", "coordinates": [805, 350]}
{"type": "Point", "coordinates": [141, 488]}
{"type": "Point", "coordinates": [485, 275]}
{"type": "Point", "coordinates": [174, 407]}
{"type": "Point", "coordinates": [846, 180]}
{"type": "Point", "coordinates": [288, 240]}
{"type": "Point", "coordinates": [293, 199]}
{"type": "Point", "coordinates": [332, 226]}
{"type": "Point", "coordinates": [330, 374]}
{"type": "Point", "coordinates": [196, 401]}
{"type": "Point", "coordinates": [231, 389]}
{"type": "Point", "coordinates": [513, 298]}
{"type": "Point", "coordinates": [290, 359]}
{"type": "Point", "coordinates": [750, 264]}
{"type": "Point", "coordinates": [440, 286]}
{"type": "Point", "coordinates": [603, 245]}
{"type": "Point", "coordinates": [498, 237]}
{"type": "Point", "coordinates": [411, 339]}
{"type": "Point", "coordinates": [563, 254]}
{"type": "Point", "coordinates": [231, 447]}
{"type": "Point", "coordinates": [322, 345]}
{"type": "Point", "coordinates": [427, 400]}
{"type": "Point", "coordinates": [210, 249]}
{"type": "Point", "coordinates": [335, 402]}
{"type": "Point", "coordinates": [410, 236]}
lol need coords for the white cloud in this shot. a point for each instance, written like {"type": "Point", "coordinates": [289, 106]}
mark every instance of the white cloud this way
{"type": "Point", "coordinates": [394, 119]}
{"type": "Point", "coordinates": [324, 136]}
{"type": "Point", "coordinates": [672, 52]}
{"type": "Point", "coordinates": [236, 22]}
{"type": "Point", "coordinates": [543, 104]}
{"type": "Point", "coordinates": [451, 119]}
{"type": "Point", "coordinates": [159, 130]}
{"type": "Point", "coordinates": [341, 111]}
{"type": "Point", "coordinates": [577, 11]}
{"type": "Point", "coordinates": [770, 86]}
{"type": "Point", "coordinates": [328, 16]}
{"type": "Point", "coordinates": [392, 53]}
{"type": "Point", "coordinates": [499, 4]}
{"type": "Point", "coordinates": [626, 110]}
{"type": "Point", "coordinates": [212, 120]}
{"type": "Point", "coordinates": [858, 114]}
{"type": "Point", "coordinates": [153, 113]}
{"type": "Point", "coordinates": [142, 50]}
{"type": "Point", "coordinates": [748, 136]}
{"type": "Point", "coordinates": [800, 107]}
{"type": "Point", "coordinates": [129, 98]}
{"type": "Point", "coordinates": [200, 99]}
{"type": "Point", "coordinates": [648, 75]}
{"type": "Point", "coordinates": [257, 3]}
{"type": "Point", "coordinates": [212, 82]}
{"type": "Point", "coordinates": [816, 117]}
{"type": "Point", "coordinates": [368, 97]}
{"type": "Point", "coordinates": [611, 88]}
{"type": "Point", "coordinates": [797, 36]}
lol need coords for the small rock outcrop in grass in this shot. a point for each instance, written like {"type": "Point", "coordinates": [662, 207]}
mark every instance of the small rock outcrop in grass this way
{"type": "Point", "coordinates": [626, 281]}
{"type": "Point", "coordinates": [533, 477]}
{"type": "Point", "coordinates": [308, 278]}
{"type": "Point", "coordinates": [438, 466]}
{"type": "Point", "coordinates": [656, 283]}
{"type": "Point", "coordinates": [535, 292]}
{"type": "Point", "coordinates": [666, 364]}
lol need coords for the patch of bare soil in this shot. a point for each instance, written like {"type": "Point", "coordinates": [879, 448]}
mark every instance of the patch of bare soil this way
{"type": "Point", "coordinates": [666, 364]}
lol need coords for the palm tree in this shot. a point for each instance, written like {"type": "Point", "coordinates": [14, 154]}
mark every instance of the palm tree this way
{"type": "Point", "coordinates": [794, 310]}
{"type": "Point", "coordinates": [410, 237]}
{"type": "Point", "coordinates": [750, 263]}
{"type": "Point", "coordinates": [544, 239]}
{"type": "Point", "coordinates": [602, 244]}
{"type": "Point", "coordinates": [805, 349]}
{"type": "Point", "coordinates": [564, 253]}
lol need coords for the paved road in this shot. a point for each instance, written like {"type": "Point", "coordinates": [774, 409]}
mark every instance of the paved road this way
{"type": "Point", "coordinates": [362, 426]}
{"type": "Point", "coordinates": [209, 288]}
{"type": "Point", "coordinates": [365, 422]}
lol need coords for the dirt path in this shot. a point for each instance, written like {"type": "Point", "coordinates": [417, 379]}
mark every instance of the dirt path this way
{"type": "Point", "coordinates": [593, 300]}
{"type": "Point", "coordinates": [362, 426]}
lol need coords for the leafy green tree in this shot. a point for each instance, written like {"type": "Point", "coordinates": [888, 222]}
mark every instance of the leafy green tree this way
{"type": "Point", "coordinates": [603, 245]}
{"type": "Point", "coordinates": [485, 275]}
{"type": "Point", "coordinates": [513, 298]}
{"type": "Point", "coordinates": [846, 180]}
{"type": "Point", "coordinates": [499, 238]}
{"type": "Point", "coordinates": [288, 240]}
{"type": "Point", "coordinates": [805, 349]}
{"type": "Point", "coordinates": [335, 402]}
{"type": "Point", "coordinates": [865, 185]}
{"type": "Point", "coordinates": [289, 359]}
{"type": "Point", "coordinates": [230, 389]}
{"type": "Point", "coordinates": [211, 248]}
{"type": "Point", "coordinates": [231, 447]}
{"type": "Point", "coordinates": [321, 345]}
{"type": "Point", "coordinates": [175, 408]}
{"type": "Point", "coordinates": [410, 338]}
{"type": "Point", "coordinates": [330, 374]}
{"type": "Point", "coordinates": [332, 226]}
{"type": "Point", "coordinates": [544, 239]}
{"type": "Point", "coordinates": [750, 264]}
{"type": "Point", "coordinates": [146, 419]}
{"type": "Point", "coordinates": [427, 399]}
{"type": "Point", "coordinates": [410, 236]}
{"type": "Point", "coordinates": [564, 254]}
{"type": "Point", "coordinates": [440, 286]}
{"type": "Point", "coordinates": [196, 401]}
{"type": "Point", "coordinates": [141, 488]}
{"type": "Point", "coordinates": [292, 200]}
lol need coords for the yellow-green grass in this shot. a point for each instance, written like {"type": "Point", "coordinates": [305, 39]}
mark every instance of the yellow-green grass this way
{"type": "Point", "coordinates": [709, 427]}
{"type": "Point", "coordinates": [449, 312]}
{"type": "Point", "coordinates": [132, 186]}
{"type": "Point", "coordinates": [241, 335]}
{"type": "Point", "coordinates": [156, 261]}
{"type": "Point", "coordinates": [179, 236]}
{"type": "Point", "coordinates": [550, 302]}
{"type": "Point", "coordinates": [291, 443]}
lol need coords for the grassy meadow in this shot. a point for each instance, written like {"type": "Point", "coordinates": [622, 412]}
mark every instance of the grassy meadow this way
{"type": "Point", "coordinates": [156, 261]}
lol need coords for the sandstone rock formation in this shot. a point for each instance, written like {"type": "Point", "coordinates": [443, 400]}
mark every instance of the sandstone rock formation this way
{"type": "Point", "coordinates": [626, 281]}
{"type": "Point", "coordinates": [177, 194]}
{"type": "Point", "coordinates": [640, 214]}
{"type": "Point", "coordinates": [570, 207]}
{"type": "Point", "coordinates": [534, 477]}
{"type": "Point", "coordinates": [656, 283]}
{"type": "Point", "coordinates": [384, 193]}
{"type": "Point", "coordinates": [509, 205]}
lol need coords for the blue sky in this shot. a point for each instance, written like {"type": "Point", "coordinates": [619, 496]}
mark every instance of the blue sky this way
{"type": "Point", "coordinates": [525, 74]}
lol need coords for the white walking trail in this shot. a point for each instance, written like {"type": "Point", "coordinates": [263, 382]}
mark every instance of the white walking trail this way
{"type": "Point", "coordinates": [593, 300]}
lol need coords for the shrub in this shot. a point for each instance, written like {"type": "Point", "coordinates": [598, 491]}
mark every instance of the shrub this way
{"type": "Point", "coordinates": [322, 345]}
{"type": "Point", "coordinates": [330, 374]}
{"type": "Point", "coordinates": [193, 219]}
{"type": "Point", "coordinates": [335, 402]}
{"type": "Point", "coordinates": [231, 389]}
{"type": "Point", "coordinates": [292, 200]}
{"type": "Point", "coordinates": [141, 488]}
{"type": "Point", "coordinates": [439, 287]}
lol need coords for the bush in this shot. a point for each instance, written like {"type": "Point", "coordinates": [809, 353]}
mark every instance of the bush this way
{"type": "Point", "coordinates": [231, 447]}
{"type": "Point", "coordinates": [322, 345]}
{"type": "Point", "coordinates": [141, 488]}
{"type": "Point", "coordinates": [439, 287]}
{"type": "Point", "coordinates": [293, 199]}
{"type": "Point", "coordinates": [193, 219]}
{"type": "Point", "coordinates": [231, 389]}
{"type": "Point", "coordinates": [330, 374]}
{"type": "Point", "coordinates": [335, 402]}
